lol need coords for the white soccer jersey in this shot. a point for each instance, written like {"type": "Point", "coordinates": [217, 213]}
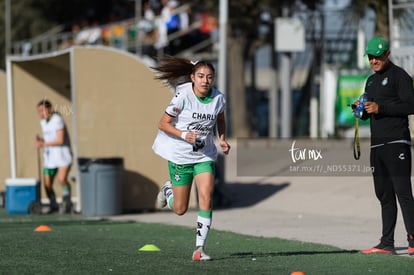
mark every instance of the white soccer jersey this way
{"type": "Point", "coordinates": [55, 156]}
{"type": "Point", "coordinates": [192, 114]}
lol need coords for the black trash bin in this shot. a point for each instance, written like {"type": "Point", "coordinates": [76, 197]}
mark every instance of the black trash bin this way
{"type": "Point", "coordinates": [101, 186]}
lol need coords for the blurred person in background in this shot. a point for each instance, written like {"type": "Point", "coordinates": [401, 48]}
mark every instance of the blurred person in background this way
{"type": "Point", "coordinates": [57, 154]}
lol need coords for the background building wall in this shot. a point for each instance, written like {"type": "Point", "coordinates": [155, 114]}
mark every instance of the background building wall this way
{"type": "Point", "coordinates": [111, 105]}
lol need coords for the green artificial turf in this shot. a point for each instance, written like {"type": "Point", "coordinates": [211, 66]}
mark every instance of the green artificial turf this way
{"type": "Point", "coordinates": [84, 246]}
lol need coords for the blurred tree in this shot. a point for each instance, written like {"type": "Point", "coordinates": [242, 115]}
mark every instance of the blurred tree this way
{"type": "Point", "coordinates": [26, 21]}
{"type": "Point", "coordinates": [404, 16]}
{"type": "Point", "coordinates": [30, 18]}
{"type": "Point", "coordinates": [244, 38]}
{"type": "Point", "coordinates": [380, 8]}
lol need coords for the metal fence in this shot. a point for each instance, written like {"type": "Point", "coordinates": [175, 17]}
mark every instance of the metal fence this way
{"type": "Point", "coordinates": [132, 35]}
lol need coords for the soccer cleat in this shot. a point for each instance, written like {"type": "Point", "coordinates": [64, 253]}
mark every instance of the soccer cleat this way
{"type": "Point", "coordinates": [381, 249]}
{"type": "Point", "coordinates": [410, 239]}
{"type": "Point", "coordinates": [162, 198]}
{"type": "Point", "coordinates": [52, 209]}
{"type": "Point", "coordinates": [200, 255]}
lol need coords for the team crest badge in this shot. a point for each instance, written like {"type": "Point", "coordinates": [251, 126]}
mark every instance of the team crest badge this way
{"type": "Point", "coordinates": [384, 81]}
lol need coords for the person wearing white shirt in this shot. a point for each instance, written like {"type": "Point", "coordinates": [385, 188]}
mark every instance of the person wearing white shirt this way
{"type": "Point", "coordinates": [186, 139]}
{"type": "Point", "coordinates": [57, 155]}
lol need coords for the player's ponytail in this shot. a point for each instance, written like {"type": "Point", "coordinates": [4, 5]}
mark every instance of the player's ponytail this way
{"type": "Point", "coordinates": [175, 70]}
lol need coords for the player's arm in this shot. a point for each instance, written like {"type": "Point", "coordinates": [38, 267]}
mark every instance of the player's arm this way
{"type": "Point", "coordinates": [60, 138]}
{"type": "Point", "coordinates": [39, 141]}
{"type": "Point", "coordinates": [166, 125]}
{"type": "Point", "coordinates": [405, 105]}
{"type": "Point", "coordinates": [221, 129]}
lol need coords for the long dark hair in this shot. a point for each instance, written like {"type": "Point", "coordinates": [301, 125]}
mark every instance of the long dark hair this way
{"type": "Point", "coordinates": [175, 70]}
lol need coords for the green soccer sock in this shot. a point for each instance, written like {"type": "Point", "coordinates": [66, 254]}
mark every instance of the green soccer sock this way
{"type": "Point", "coordinates": [66, 190]}
{"type": "Point", "coordinates": [170, 201]}
{"type": "Point", "coordinates": [205, 213]}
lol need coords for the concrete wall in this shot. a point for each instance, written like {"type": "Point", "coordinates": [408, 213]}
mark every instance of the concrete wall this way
{"type": "Point", "coordinates": [118, 106]}
{"type": "Point", "coordinates": [111, 104]}
{"type": "Point", "coordinates": [33, 81]}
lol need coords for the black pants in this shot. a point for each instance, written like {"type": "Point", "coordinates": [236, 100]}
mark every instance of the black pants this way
{"type": "Point", "coordinates": [392, 178]}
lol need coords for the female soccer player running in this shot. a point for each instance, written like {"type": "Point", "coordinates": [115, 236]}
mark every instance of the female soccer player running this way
{"type": "Point", "coordinates": [186, 139]}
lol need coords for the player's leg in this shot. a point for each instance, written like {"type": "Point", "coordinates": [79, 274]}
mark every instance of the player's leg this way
{"type": "Point", "coordinates": [204, 178]}
{"type": "Point", "coordinates": [62, 175]}
{"type": "Point", "coordinates": [386, 195]}
{"type": "Point", "coordinates": [176, 197]}
{"type": "Point", "coordinates": [48, 177]}
{"type": "Point", "coordinates": [165, 191]}
{"type": "Point", "coordinates": [180, 199]}
{"type": "Point", "coordinates": [181, 179]}
{"type": "Point", "coordinates": [385, 192]}
{"type": "Point", "coordinates": [176, 192]}
{"type": "Point", "coordinates": [400, 168]}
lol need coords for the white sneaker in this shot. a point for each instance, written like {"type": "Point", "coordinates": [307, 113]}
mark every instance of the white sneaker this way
{"type": "Point", "coordinates": [161, 198]}
{"type": "Point", "coordinates": [200, 255]}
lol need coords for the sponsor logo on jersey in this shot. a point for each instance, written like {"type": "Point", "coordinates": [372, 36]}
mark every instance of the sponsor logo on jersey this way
{"type": "Point", "coordinates": [204, 116]}
{"type": "Point", "coordinates": [200, 128]}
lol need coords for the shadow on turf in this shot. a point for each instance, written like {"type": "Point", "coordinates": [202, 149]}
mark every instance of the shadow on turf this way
{"type": "Point", "coordinates": [235, 195]}
{"type": "Point", "coordinates": [295, 253]}
{"type": "Point", "coordinates": [32, 221]}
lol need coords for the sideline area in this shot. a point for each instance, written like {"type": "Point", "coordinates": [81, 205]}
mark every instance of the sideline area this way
{"type": "Point", "coordinates": [341, 211]}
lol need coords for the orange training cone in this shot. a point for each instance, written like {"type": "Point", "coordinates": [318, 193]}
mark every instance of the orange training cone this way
{"type": "Point", "coordinates": [43, 228]}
